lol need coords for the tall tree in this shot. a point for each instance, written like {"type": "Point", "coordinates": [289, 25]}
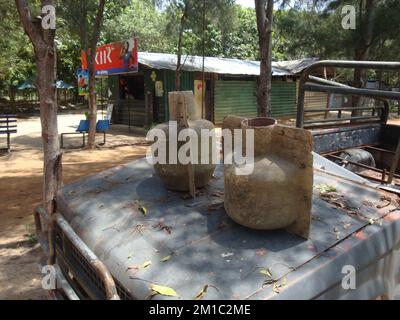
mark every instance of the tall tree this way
{"type": "Point", "coordinates": [46, 66]}
{"type": "Point", "coordinates": [91, 54]}
{"type": "Point", "coordinates": [84, 19]}
{"type": "Point", "coordinates": [264, 13]}
{"type": "Point", "coordinates": [367, 9]}
{"type": "Point", "coordinates": [16, 58]}
{"type": "Point", "coordinates": [184, 6]}
{"type": "Point", "coordinates": [140, 19]}
{"type": "Point", "coordinates": [362, 40]}
{"type": "Point", "coordinates": [187, 19]}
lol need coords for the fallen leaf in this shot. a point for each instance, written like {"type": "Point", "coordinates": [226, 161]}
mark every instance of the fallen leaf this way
{"type": "Point", "coordinates": [202, 293]}
{"type": "Point", "coordinates": [325, 188]}
{"type": "Point", "coordinates": [267, 282]}
{"type": "Point", "coordinates": [218, 194]}
{"type": "Point", "coordinates": [134, 267]}
{"type": "Point", "coordinates": [215, 206]}
{"type": "Point", "coordinates": [261, 252]}
{"type": "Point", "coordinates": [165, 259]}
{"type": "Point", "coordinates": [165, 291]}
{"type": "Point", "coordinates": [266, 272]}
{"type": "Point", "coordinates": [163, 227]}
{"type": "Point", "coordinates": [227, 254]}
{"type": "Point", "coordinates": [276, 287]}
{"type": "Point", "coordinates": [143, 210]}
{"type": "Point", "coordinates": [347, 226]}
{"type": "Point", "coordinates": [140, 207]}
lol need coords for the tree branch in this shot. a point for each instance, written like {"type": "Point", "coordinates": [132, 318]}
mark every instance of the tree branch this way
{"type": "Point", "coordinates": [96, 29]}
{"type": "Point", "coordinates": [31, 29]}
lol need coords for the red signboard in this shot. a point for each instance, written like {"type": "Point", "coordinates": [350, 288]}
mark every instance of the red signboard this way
{"type": "Point", "coordinates": [115, 58]}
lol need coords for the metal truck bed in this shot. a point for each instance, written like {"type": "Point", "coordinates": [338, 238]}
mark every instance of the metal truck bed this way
{"type": "Point", "coordinates": [358, 225]}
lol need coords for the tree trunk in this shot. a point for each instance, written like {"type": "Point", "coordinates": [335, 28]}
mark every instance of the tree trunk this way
{"type": "Point", "coordinates": [92, 78]}
{"type": "Point", "coordinates": [362, 50]}
{"type": "Point", "coordinates": [92, 104]}
{"type": "Point", "coordinates": [11, 95]}
{"type": "Point", "coordinates": [264, 13]}
{"type": "Point", "coordinates": [180, 44]}
{"type": "Point", "coordinates": [46, 70]}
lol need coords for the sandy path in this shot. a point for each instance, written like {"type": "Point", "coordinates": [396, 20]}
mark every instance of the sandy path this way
{"type": "Point", "coordinates": [20, 192]}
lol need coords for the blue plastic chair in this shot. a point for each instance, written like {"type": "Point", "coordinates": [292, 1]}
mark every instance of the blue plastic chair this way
{"type": "Point", "coordinates": [83, 126]}
{"type": "Point", "coordinates": [102, 126]}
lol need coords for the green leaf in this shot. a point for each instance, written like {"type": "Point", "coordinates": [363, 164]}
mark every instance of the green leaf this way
{"type": "Point", "coordinates": [326, 188]}
{"type": "Point", "coordinates": [165, 291]}
{"type": "Point", "coordinates": [143, 210]}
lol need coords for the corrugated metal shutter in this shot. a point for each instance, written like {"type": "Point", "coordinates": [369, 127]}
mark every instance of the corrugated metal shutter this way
{"type": "Point", "coordinates": [239, 98]}
{"type": "Point", "coordinates": [187, 84]}
{"type": "Point", "coordinates": [283, 99]}
{"type": "Point", "coordinates": [234, 98]}
{"type": "Point", "coordinates": [315, 100]}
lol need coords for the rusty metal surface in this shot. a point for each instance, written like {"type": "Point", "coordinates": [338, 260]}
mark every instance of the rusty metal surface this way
{"type": "Point", "coordinates": [204, 245]}
{"type": "Point", "coordinates": [102, 271]}
{"type": "Point", "coordinates": [344, 138]}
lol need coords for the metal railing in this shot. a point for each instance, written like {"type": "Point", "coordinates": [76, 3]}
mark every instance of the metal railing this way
{"type": "Point", "coordinates": [311, 83]}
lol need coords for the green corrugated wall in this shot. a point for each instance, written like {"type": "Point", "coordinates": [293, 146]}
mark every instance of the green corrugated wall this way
{"type": "Point", "coordinates": [234, 98]}
{"type": "Point", "coordinates": [239, 98]}
{"type": "Point", "coordinates": [283, 99]}
{"type": "Point", "coordinates": [187, 84]}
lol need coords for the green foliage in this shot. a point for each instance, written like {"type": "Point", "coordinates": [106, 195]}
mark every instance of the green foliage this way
{"type": "Point", "coordinates": [16, 55]}
{"type": "Point", "coordinates": [301, 29]}
{"type": "Point", "coordinates": [140, 19]}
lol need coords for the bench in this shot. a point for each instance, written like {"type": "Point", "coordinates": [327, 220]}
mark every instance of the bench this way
{"type": "Point", "coordinates": [8, 125]}
{"type": "Point", "coordinates": [102, 126]}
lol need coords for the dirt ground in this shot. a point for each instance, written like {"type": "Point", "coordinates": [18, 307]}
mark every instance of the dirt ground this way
{"type": "Point", "coordinates": [20, 191]}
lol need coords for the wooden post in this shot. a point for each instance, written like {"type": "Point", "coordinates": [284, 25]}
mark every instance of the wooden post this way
{"type": "Point", "coordinates": [178, 111]}
{"type": "Point", "coordinates": [395, 163]}
{"type": "Point", "coordinates": [149, 117]}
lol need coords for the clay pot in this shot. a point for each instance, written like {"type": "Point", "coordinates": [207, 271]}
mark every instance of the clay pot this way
{"type": "Point", "coordinates": [278, 193]}
{"type": "Point", "coordinates": [182, 109]}
{"type": "Point", "coordinates": [175, 176]}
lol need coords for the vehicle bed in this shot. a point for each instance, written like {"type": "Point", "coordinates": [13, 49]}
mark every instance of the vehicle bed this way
{"type": "Point", "coordinates": [358, 225]}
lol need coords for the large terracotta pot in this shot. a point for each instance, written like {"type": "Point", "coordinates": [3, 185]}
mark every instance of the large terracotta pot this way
{"type": "Point", "coordinates": [278, 193]}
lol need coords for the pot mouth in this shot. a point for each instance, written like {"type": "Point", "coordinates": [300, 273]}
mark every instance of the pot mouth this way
{"type": "Point", "coordinates": [261, 122]}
